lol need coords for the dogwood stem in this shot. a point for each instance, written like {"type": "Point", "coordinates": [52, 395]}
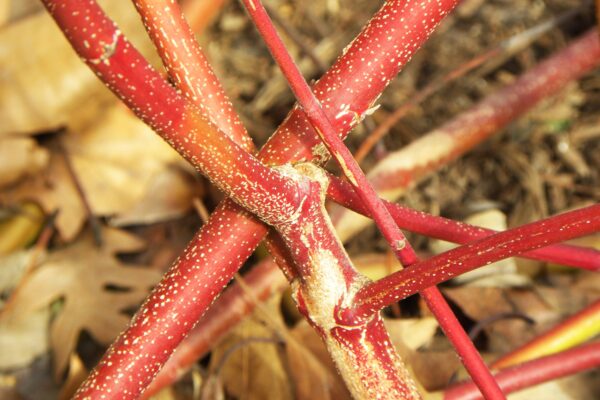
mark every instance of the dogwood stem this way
{"type": "Point", "coordinates": [576, 329]}
{"type": "Point", "coordinates": [535, 372]}
{"type": "Point", "coordinates": [457, 261]}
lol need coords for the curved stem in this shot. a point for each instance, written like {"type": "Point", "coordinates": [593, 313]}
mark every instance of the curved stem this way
{"type": "Point", "coordinates": [442, 267]}
{"type": "Point", "coordinates": [295, 139]}
{"type": "Point", "coordinates": [577, 329]}
{"type": "Point", "coordinates": [535, 372]}
{"type": "Point", "coordinates": [361, 349]}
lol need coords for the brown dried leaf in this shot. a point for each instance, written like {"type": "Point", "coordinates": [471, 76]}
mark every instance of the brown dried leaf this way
{"type": "Point", "coordinates": [252, 370]}
{"type": "Point", "coordinates": [376, 265]}
{"type": "Point", "coordinates": [545, 306]}
{"type": "Point", "coordinates": [311, 368]}
{"type": "Point", "coordinates": [79, 275]}
{"type": "Point", "coordinates": [23, 337]}
{"type": "Point", "coordinates": [117, 159]}
{"type": "Point", "coordinates": [212, 389]}
{"type": "Point", "coordinates": [20, 157]}
{"type": "Point", "coordinates": [434, 369]}
{"type": "Point", "coordinates": [411, 333]}
{"type": "Point", "coordinates": [77, 373]}
{"type": "Point", "coordinates": [53, 190]}
{"type": "Point", "coordinates": [46, 87]}
{"type": "Point", "coordinates": [12, 10]}
{"type": "Point", "coordinates": [21, 228]}
{"type": "Point", "coordinates": [170, 195]}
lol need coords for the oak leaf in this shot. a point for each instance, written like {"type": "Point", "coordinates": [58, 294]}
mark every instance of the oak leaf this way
{"type": "Point", "coordinates": [84, 278]}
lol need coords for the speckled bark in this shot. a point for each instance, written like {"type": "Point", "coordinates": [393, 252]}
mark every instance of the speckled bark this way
{"type": "Point", "coordinates": [122, 68]}
{"type": "Point", "coordinates": [326, 283]}
{"type": "Point", "coordinates": [442, 267]}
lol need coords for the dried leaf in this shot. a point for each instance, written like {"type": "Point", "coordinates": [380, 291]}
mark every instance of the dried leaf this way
{"type": "Point", "coordinates": [116, 162]}
{"type": "Point", "coordinates": [12, 10]}
{"type": "Point", "coordinates": [53, 190]}
{"type": "Point", "coordinates": [117, 159]}
{"type": "Point", "coordinates": [46, 87]}
{"type": "Point", "coordinates": [170, 195]}
{"type": "Point", "coordinates": [212, 389]}
{"type": "Point", "coordinates": [20, 157]}
{"type": "Point", "coordinates": [252, 370]}
{"type": "Point", "coordinates": [375, 265]}
{"type": "Point", "coordinates": [79, 276]}
{"type": "Point", "coordinates": [21, 228]}
{"type": "Point", "coordinates": [411, 333]}
{"type": "Point", "coordinates": [23, 337]}
{"type": "Point", "coordinates": [312, 380]}
{"type": "Point", "coordinates": [77, 373]}
{"type": "Point", "coordinates": [12, 267]}
{"type": "Point", "coordinates": [507, 333]}
{"type": "Point", "coordinates": [434, 369]}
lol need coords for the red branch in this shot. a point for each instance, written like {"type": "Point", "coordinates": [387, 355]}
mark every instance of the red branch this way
{"type": "Point", "coordinates": [460, 232]}
{"type": "Point", "coordinates": [123, 69]}
{"type": "Point", "coordinates": [396, 239]}
{"type": "Point", "coordinates": [416, 221]}
{"type": "Point", "coordinates": [574, 330]}
{"type": "Point", "coordinates": [442, 267]}
{"type": "Point", "coordinates": [421, 223]}
{"type": "Point", "coordinates": [535, 372]}
{"type": "Point", "coordinates": [232, 306]}
{"type": "Point", "coordinates": [188, 67]}
{"type": "Point", "coordinates": [506, 47]}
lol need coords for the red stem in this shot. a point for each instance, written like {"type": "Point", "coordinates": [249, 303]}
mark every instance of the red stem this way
{"type": "Point", "coordinates": [262, 190]}
{"type": "Point", "coordinates": [535, 372]}
{"type": "Point", "coordinates": [327, 133]}
{"type": "Point", "coordinates": [188, 67]}
{"type": "Point", "coordinates": [236, 225]}
{"type": "Point", "coordinates": [230, 308]}
{"type": "Point", "coordinates": [577, 328]}
{"type": "Point", "coordinates": [196, 343]}
{"type": "Point", "coordinates": [401, 247]}
{"type": "Point", "coordinates": [460, 232]}
{"type": "Point", "coordinates": [442, 267]}
{"type": "Point", "coordinates": [295, 140]}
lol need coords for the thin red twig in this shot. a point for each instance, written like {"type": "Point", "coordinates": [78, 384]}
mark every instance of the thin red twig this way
{"type": "Point", "coordinates": [574, 330]}
{"type": "Point", "coordinates": [398, 171]}
{"type": "Point", "coordinates": [460, 232]}
{"type": "Point", "coordinates": [535, 372]}
{"type": "Point", "coordinates": [457, 261]}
